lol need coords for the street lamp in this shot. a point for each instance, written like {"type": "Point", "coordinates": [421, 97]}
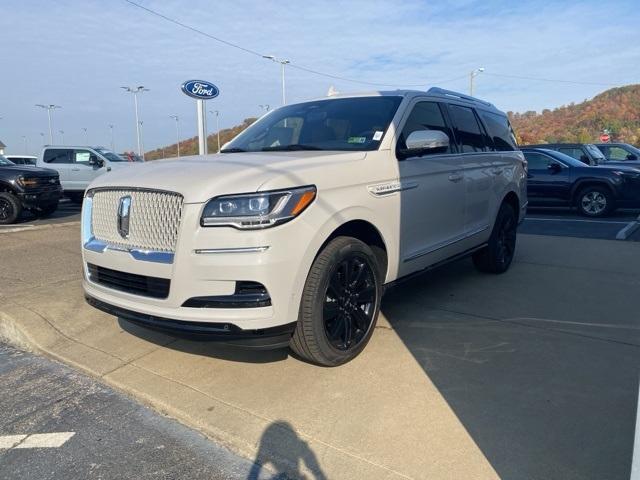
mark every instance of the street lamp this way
{"type": "Point", "coordinates": [282, 63]}
{"type": "Point", "coordinates": [135, 91]}
{"type": "Point", "coordinates": [176, 118]}
{"type": "Point", "coordinates": [265, 107]}
{"type": "Point", "coordinates": [48, 108]}
{"type": "Point", "coordinates": [111, 128]}
{"type": "Point", "coordinates": [473, 75]}
{"type": "Point", "coordinates": [141, 144]}
{"type": "Point", "coordinates": [62, 135]}
{"type": "Point", "coordinates": [217, 114]}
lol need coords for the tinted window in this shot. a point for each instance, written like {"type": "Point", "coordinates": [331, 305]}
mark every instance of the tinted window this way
{"type": "Point", "coordinates": [425, 116]}
{"type": "Point", "coordinates": [537, 161]}
{"type": "Point", "coordinates": [335, 124]}
{"type": "Point", "coordinates": [574, 152]}
{"type": "Point", "coordinates": [467, 129]}
{"type": "Point", "coordinates": [616, 153]}
{"type": "Point", "coordinates": [61, 155]}
{"type": "Point", "coordinates": [499, 131]}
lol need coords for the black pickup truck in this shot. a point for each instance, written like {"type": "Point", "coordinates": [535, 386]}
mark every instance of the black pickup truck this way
{"type": "Point", "coordinates": [24, 187]}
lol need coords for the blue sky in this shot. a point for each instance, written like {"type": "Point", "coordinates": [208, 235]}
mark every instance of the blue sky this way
{"type": "Point", "coordinates": [77, 53]}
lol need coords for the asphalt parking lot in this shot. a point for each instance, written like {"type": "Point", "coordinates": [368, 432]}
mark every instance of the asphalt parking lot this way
{"type": "Point", "coordinates": [67, 212]}
{"type": "Point", "coordinates": [532, 374]}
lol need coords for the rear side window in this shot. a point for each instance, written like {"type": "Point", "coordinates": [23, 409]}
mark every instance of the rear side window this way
{"type": "Point", "coordinates": [575, 152]}
{"type": "Point", "coordinates": [537, 161]}
{"type": "Point", "coordinates": [499, 130]}
{"type": "Point", "coordinates": [425, 116]}
{"type": "Point", "coordinates": [467, 129]}
{"type": "Point", "coordinates": [61, 155]}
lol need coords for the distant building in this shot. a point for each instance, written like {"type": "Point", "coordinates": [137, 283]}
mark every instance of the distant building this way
{"type": "Point", "coordinates": [2, 147]}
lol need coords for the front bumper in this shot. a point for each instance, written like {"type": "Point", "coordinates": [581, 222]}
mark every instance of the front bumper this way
{"type": "Point", "coordinates": [226, 333]}
{"type": "Point", "coordinates": [40, 198]}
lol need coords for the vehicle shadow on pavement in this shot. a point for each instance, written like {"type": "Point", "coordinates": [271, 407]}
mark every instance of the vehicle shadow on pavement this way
{"type": "Point", "coordinates": [553, 399]}
{"type": "Point", "coordinates": [279, 441]}
{"type": "Point", "coordinates": [211, 349]}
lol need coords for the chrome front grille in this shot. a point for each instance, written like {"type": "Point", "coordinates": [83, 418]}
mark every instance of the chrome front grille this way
{"type": "Point", "coordinates": [154, 219]}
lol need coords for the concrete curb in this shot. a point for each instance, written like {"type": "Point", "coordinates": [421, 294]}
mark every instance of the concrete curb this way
{"type": "Point", "coordinates": [33, 228]}
{"type": "Point", "coordinates": [627, 231]}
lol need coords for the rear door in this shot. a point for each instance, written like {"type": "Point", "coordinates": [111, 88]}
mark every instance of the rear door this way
{"type": "Point", "coordinates": [478, 165]}
{"type": "Point", "coordinates": [432, 195]}
{"type": "Point", "coordinates": [60, 159]}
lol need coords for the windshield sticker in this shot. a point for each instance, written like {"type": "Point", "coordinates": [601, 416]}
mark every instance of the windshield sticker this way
{"type": "Point", "coordinates": [356, 139]}
{"type": "Point", "coordinates": [377, 135]}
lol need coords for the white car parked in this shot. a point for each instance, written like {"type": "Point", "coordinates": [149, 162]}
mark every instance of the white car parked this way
{"type": "Point", "coordinates": [288, 236]}
{"type": "Point", "coordinates": [78, 166]}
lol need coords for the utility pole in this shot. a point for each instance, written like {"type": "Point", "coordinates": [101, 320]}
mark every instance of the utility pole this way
{"type": "Point", "coordinates": [113, 149]}
{"type": "Point", "coordinates": [135, 91]}
{"type": "Point", "coordinates": [282, 63]}
{"type": "Point", "coordinates": [473, 75]}
{"type": "Point", "coordinates": [48, 108]}
{"type": "Point", "coordinates": [62, 136]}
{"type": "Point", "coordinates": [176, 118]}
{"type": "Point", "coordinates": [217, 114]}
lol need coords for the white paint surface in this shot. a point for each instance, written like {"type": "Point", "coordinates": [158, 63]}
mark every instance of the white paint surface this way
{"type": "Point", "coordinates": [35, 440]}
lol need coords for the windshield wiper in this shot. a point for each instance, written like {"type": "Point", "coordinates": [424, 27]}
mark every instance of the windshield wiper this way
{"type": "Point", "coordinates": [232, 150]}
{"type": "Point", "coordinates": [290, 148]}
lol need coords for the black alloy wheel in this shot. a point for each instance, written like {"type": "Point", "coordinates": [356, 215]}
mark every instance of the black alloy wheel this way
{"type": "Point", "coordinates": [497, 256]}
{"type": "Point", "coordinates": [349, 302]}
{"type": "Point", "coordinates": [10, 208]}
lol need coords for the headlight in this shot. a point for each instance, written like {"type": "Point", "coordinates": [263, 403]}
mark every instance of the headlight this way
{"type": "Point", "coordinates": [257, 210]}
{"type": "Point", "coordinates": [27, 182]}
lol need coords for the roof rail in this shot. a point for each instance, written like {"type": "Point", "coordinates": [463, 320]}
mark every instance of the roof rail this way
{"type": "Point", "coordinates": [450, 93]}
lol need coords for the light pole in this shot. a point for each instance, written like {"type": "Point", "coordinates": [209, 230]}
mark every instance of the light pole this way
{"type": "Point", "coordinates": [86, 136]}
{"type": "Point", "coordinates": [141, 144]}
{"type": "Point", "coordinates": [113, 149]}
{"type": "Point", "coordinates": [177, 119]}
{"type": "Point", "coordinates": [282, 63]}
{"type": "Point", "coordinates": [473, 75]}
{"type": "Point", "coordinates": [24, 139]}
{"type": "Point", "coordinates": [62, 136]}
{"type": "Point", "coordinates": [135, 91]}
{"type": "Point", "coordinates": [265, 107]}
{"type": "Point", "coordinates": [217, 114]}
{"type": "Point", "coordinates": [48, 108]}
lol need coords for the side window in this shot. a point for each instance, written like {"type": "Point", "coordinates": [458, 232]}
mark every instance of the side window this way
{"type": "Point", "coordinates": [81, 156]}
{"type": "Point", "coordinates": [425, 116]}
{"type": "Point", "coordinates": [617, 153]}
{"type": "Point", "coordinates": [604, 150]}
{"type": "Point", "coordinates": [61, 155]}
{"type": "Point", "coordinates": [499, 130]}
{"type": "Point", "coordinates": [537, 161]}
{"type": "Point", "coordinates": [467, 130]}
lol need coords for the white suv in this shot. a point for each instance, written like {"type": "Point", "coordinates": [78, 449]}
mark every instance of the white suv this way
{"type": "Point", "coordinates": [288, 236]}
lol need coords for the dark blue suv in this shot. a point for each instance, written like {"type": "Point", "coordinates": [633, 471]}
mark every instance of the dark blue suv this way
{"type": "Point", "coordinates": [556, 179]}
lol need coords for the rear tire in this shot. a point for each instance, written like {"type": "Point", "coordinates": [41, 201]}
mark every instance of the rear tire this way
{"type": "Point", "coordinates": [10, 208]}
{"type": "Point", "coordinates": [340, 304]}
{"type": "Point", "coordinates": [595, 201]}
{"type": "Point", "coordinates": [497, 256]}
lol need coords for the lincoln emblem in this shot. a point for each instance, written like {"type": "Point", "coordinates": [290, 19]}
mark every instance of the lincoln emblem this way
{"type": "Point", "coordinates": [124, 209]}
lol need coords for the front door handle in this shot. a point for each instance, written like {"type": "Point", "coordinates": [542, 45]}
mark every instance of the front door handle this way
{"type": "Point", "coordinates": [75, 169]}
{"type": "Point", "coordinates": [455, 177]}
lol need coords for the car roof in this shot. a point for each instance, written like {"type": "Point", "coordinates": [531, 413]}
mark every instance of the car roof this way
{"type": "Point", "coordinates": [435, 92]}
{"type": "Point", "coordinates": [93, 147]}
{"type": "Point", "coordinates": [20, 156]}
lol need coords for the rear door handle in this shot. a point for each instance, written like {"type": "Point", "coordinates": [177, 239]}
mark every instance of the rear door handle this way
{"type": "Point", "coordinates": [455, 177]}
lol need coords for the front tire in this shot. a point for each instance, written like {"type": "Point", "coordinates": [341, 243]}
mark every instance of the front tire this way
{"type": "Point", "coordinates": [595, 201]}
{"type": "Point", "coordinates": [340, 304]}
{"type": "Point", "coordinates": [497, 256]}
{"type": "Point", "coordinates": [10, 208]}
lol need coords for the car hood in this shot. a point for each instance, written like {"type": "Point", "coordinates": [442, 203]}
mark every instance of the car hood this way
{"type": "Point", "coordinates": [200, 178]}
{"type": "Point", "coordinates": [30, 170]}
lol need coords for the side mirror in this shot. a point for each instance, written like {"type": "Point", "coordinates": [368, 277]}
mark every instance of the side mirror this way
{"type": "Point", "coordinates": [95, 161]}
{"type": "Point", "coordinates": [554, 167]}
{"type": "Point", "coordinates": [423, 142]}
{"type": "Point", "coordinates": [633, 157]}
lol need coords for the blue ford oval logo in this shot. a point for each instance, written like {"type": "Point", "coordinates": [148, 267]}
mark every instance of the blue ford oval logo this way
{"type": "Point", "coordinates": [200, 89]}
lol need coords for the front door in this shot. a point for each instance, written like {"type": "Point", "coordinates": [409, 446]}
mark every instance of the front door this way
{"type": "Point", "coordinates": [432, 199]}
{"type": "Point", "coordinates": [83, 172]}
{"type": "Point", "coordinates": [548, 180]}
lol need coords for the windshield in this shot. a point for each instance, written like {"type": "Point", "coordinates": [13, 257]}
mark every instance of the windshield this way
{"type": "Point", "coordinates": [5, 161]}
{"type": "Point", "coordinates": [109, 155]}
{"type": "Point", "coordinates": [335, 124]}
{"type": "Point", "coordinates": [564, 158]}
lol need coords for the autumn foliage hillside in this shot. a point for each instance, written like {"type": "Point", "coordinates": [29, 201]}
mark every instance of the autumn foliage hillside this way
{"type": "Point", "coordinates": [617, 110]}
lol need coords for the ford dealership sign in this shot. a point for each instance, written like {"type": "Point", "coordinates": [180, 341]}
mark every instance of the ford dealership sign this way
{"type": "Point", "coordinates": [200, 89]}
